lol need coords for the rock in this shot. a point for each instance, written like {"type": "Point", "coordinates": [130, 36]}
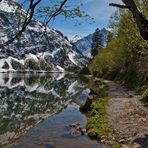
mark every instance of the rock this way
{"type": "Point", "coordinates": [83, 131]}
{"type": "Point", "coordinates": [144, 119]}
{"type": "Point", "coordinates": [75, 132]}
{"type": "Point", "coordinates": [75, 125]}
{"type": "Point", "coordinates": [122, 141]}
{"type": "Point", "coordinates": [78, 130]}
{"type": "Point", "coordinates": [103, 141]}
{"type": "Point", "coordinates": [136, 145]}
{"type": "Point", "coordinates": [87, 106]}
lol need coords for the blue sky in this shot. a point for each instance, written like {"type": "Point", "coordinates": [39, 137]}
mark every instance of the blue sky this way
{"type": "Point", "coordinates": [98, 9]}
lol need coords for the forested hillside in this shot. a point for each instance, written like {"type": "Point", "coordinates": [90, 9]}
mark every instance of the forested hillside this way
{"type": "Point", "coordinates": [126, 55]}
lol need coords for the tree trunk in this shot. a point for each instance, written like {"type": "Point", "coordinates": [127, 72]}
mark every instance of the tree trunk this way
{"type": "Point", "coordinates": [141, 21]}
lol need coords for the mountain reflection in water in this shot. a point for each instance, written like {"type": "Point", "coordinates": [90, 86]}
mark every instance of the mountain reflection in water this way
{"type": "Point", "coordinates": [36, 111]}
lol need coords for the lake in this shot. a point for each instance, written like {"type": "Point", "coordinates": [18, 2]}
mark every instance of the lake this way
{"type": "Point", "coordinates": [36, 111]}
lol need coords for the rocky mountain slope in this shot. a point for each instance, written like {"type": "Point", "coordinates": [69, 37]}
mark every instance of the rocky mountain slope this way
{"type": "Point", "coordinates": [43, 51]}
{"type": "Point", "coordinates": [84, 43]}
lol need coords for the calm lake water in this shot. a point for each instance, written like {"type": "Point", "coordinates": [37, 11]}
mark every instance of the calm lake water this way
{"type": "Point", "coordinates": [36, 111]}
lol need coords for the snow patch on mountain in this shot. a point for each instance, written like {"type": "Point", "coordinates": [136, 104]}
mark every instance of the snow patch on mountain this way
{"type": "Point", "coordinates": [52, 47]}
{"type": "Point", "coordinates": [4, 6]}
{"type": "Point", "coordinates": [32, 56]}
{"type": "Point", "coordinates": [60, 68]}
{"type": "Point", "coordinates": [84, 44]}
{"type": "Point", "coordinates": [76, 38]}
{"type": "Point", "coordinates": [71, 57]}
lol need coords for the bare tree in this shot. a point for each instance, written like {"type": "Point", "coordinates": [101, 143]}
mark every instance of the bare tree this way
{"type": "Point", "coordinates": [140, 19]}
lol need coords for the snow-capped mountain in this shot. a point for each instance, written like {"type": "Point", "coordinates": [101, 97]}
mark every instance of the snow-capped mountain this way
{"type": "Point", "coordinates": [51, 49]}
{"type": "Point", "coordinates": [84, 44]}
{"type": "Point", "coordinates": [76, 38]}
{"type": "Point", "coordinates": [104, 33]}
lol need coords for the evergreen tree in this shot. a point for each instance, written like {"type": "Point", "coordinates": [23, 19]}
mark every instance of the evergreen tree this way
{"type": "Point", "coordinates": [109, 37]}
{"type": "Point", "coordinates": [97, 42]}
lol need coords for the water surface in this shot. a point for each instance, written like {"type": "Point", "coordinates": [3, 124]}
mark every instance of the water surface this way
{"type": "Point", "coordinates": [36, 111]}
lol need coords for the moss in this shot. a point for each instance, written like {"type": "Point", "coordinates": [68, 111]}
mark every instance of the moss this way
{"type": "Point", "coordinates": [90, 97]}
{"type": "Point", "coordinates": [117, 146]}
{"type": "Point", "coordinates": [102, 90]}
{"type": "Point", "coordinates": [97, 120]}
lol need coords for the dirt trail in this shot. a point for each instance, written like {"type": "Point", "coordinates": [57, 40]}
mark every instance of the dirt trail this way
{"type": "Point", "coordinates": [128, 117]}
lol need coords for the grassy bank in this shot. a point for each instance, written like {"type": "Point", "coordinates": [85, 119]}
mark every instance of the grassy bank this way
{"type": "Point", "coordinates": [97, 120]}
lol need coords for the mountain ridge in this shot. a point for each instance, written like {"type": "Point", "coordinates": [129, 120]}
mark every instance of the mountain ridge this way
{"type": "Point", "coordinates": [53, 47]}
{"type": "Point", "coordinates": [84, 44]}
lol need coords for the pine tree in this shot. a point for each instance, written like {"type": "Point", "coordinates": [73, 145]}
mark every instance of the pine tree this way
{"type": "Point", "coordinates": [96, 42]}
{"type": "Point", "coordinates": [109, 37]}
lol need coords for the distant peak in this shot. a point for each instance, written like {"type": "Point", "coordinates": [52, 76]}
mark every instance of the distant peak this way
{"type": "Point", "coordinates": [76, 38]}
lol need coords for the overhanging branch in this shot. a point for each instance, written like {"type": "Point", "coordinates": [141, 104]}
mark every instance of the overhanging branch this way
{"type": "Point", "coordinates": [140, 19]}
{"type": "Point", "coordinates": [118, 5]}
{"type": "Point", "coordinates": [28, 18]}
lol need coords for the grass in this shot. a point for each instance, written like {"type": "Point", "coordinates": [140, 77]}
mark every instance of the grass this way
{"type": "Point", "coordinates": [117, 146]}
{"type": "Point", "coordinates": [97, 120]}
{"type": "Point", "coordinates": [144, 97]}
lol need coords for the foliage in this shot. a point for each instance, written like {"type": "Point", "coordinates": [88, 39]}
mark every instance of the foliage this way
{"type": "Point", "coordinates": [97, 125]}
{"type": "Point", "coordinates": [31, 64]}
{"type": "Point", "coordinates": [97, 120]}
{"type": "Point", "coordinates": [37, 65]}
{"type": "Point", "coordinates": [144, 97]}
{"type": "Point", "coordinates": [117, 146]}
{"type": "Point", "coordinates": [125, 57]}
{"type": "Point", "coordinates": [68, 12]}
{"type": "Point", "coordinates": [109, 37]}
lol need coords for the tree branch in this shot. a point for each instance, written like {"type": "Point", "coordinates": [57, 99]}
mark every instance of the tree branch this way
{"type": "Point", "coordinates": [53, 15]}
{"type": "Point", "coordinates": [118, 5]}
{"type": "Point", "coordinates": [28, 17]}
{"type": "Point", "coordinates": [57, 12]}
{"type": "Point", "coordinates": [141, 21]}
{"type": "Point", "coordinates": [27, 20]}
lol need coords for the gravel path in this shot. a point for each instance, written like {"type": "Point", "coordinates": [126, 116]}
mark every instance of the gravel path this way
{"type": "Point", "coordinates": [128, 117]}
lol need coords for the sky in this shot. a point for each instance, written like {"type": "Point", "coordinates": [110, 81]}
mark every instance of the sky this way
{"type": "Point", "coordinates": [98, 9]}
